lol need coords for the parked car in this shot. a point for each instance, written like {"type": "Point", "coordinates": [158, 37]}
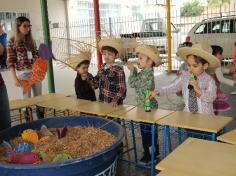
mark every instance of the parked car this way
{"type": "Point", "coordinates": [153, 32]}
{"type": "Point", "coordinates": [215, 31]}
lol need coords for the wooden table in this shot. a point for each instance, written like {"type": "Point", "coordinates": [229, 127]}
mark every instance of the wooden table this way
{"type": "Point", "coordinates": [229, 137]}
{"type": "Point", "coordinates": [19, 104]}
{"type": "Point", "coordinates": [46, 97]}
{"type": "Point", "coordinates": [186, 120]}
{"type": "Point", "coordinates": [62, 103]}
{"type": "Point", "coordinates": [100, 108]}
{"type": "Point", "coordinates": [138, 114]}
{"type": "Point", "coordinates": [197, 157]}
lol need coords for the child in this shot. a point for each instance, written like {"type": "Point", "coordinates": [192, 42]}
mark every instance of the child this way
{"type": "Point", "coordinates": [142, 81]}
{"type": "Point", "coordinates": [84, 81]}
{"type": "Point", "coordinates": [111, 77]}
{"type": "Point", "coordinates": [233, 67]}
{"type": "Point", "coordinates": [198, 94]}
{"type": "Point", "coordinates": [220, 103]}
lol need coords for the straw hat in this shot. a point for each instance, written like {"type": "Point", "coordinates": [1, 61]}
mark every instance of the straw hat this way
{"type": "Point", "coordinates": [150, 51]}
{"type": "Point", "coordinates": [202, 50]}
{"type": "Point", "coordinates": [81, 51]}
{"type": "Point", "coordinates": [116, 43]}
{"type": "Point", "coordinates": [76, 59]}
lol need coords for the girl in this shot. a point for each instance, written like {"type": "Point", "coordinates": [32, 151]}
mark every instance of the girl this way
{"type": "Point", "coordinates": [198, 93]}
{"type": "Point", "coordinates": [21, 54]}
{"type": "Point", "coordinates": [220, 103]}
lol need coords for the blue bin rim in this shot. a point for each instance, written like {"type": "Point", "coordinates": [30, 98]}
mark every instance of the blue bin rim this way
{"type": "Point", "coordinates": [74, 161]}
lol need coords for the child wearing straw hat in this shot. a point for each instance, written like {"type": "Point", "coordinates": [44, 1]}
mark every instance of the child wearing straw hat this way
{"type": "Point", "coordinates": [198, 87]}
{"type": "Point", "coordinates": [84, 81]}
{"type": "Point", "coordinates": [148, 57]}
{"type": "Point", "coordinates": [111, 77]}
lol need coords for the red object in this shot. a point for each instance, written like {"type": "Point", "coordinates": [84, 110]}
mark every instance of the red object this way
{"type": "Point", "coordinates": [25, 158]}
{"type": "Point", "coordinates": [97, 30]}
{"type": "Point", "coordinates": [39, 71]}
{"type": "Point", "coordinates": [187, 39]}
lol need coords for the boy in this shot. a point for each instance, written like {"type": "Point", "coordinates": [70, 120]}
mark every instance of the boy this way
{"type": "Point", "coordinates": [142, 81]}
{"type": "Point", "coordinates": [84, 81]}
{"type": "Point", "coordinates": [111, 77]}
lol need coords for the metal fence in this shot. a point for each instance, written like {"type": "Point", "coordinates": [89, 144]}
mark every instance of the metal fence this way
{"type": "Point", "coordinates": [151, 29]}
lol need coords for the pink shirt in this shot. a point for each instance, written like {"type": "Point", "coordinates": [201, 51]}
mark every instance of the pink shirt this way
{"type": "Point", "coordinates": [207, 85]}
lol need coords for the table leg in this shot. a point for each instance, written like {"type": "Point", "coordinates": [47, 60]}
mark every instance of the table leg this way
{"type": "Point", "coordinates": [213, 136]}
{"type": "Point", "coordinates": [180, 135]}
{"type": "Point", "coordinates": [134, 142]}
{"type": "Point", "coordinates": [153, 151]}
{"type": "Point", "coordinates": [20, 111]}
{"type": "Point", "coordinates": [165, 142]}
{"type": "Point", "coordinates": [169, 139]}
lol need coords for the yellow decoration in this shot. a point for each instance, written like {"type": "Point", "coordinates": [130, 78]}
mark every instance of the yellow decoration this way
{"type": "Point", "coordinates": [44, 139]}
{"type": "Point", "coordinates": [30, 135]}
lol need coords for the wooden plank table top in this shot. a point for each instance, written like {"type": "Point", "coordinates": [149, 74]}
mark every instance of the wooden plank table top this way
{"type": "Point", "coordinates": [100, 108]}
{"type": "Point", "coordinates": [120, 111]}
{"type": "Point", "coordinates": [138, 114]}
{"type": "Point", "coordinates": [62, 103]}
{"type": "Point", "coordinates": [197, 157]}
{"type": "Point", "coordinates": [229, 137]}
{"type": "Point", "coordinates": [22, 103]}
{"type": "Point", "coordinates": [47, 97]}
{"type": "Point", "coordinates": [202, 122]}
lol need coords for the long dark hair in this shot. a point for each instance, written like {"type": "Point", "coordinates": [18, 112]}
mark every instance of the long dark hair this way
{"type": "Point", "coordinates": [28, 39]}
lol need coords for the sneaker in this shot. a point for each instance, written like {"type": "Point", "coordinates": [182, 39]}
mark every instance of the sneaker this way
{"type": "Point", "coordinates": [233, 93]}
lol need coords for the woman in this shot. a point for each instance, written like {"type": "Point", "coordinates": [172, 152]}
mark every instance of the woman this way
{"type": "Point", "coordinates": [21, 54]}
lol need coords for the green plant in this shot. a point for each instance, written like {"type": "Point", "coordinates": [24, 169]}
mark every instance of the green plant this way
{"type": "Point", "coordinates": [217, 3]}
{"type": "Point", "coordinates": [191, 9]}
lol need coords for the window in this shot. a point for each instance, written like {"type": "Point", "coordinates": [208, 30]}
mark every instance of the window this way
{"type": "Point", "coordinates": [216, 27]}
{"type": "Point", "coordinates": [201, 29]}
{"type": "Point", "coordinates": [225, 26]}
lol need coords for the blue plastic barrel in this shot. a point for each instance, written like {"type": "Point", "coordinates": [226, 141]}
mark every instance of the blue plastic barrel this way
{"type": "Point", "coordinates": [99, 164]}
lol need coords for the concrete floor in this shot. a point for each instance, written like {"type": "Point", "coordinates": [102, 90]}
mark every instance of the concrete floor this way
{"type": "Point", "coordinates": [64, 81]}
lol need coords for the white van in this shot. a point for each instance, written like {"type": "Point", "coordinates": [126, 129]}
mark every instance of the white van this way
{"type": "Point", "coordinates": [216, 31]}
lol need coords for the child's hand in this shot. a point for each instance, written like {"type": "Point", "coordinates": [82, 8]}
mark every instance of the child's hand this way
{"type": "Point", "coordinates": [130, 66]}
{"type": "Point", "coordinates": [114, 104]}
{"type": "Point", "coordinates": [194, 83]}
{"type": "Point", "coordinates": [152, 94]}
{"type": "Point", "coordinates": [16, 82]}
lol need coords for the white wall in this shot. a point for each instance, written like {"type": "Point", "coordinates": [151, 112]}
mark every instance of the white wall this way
{"type": "Point", "coordinates": [56, 12]}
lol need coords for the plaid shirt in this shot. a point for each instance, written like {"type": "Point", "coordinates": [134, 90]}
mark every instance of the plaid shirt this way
{"type": "Point", "coordinates": [142, 81]}
{"type": "Point", "coordinates": [112, 86]}
{"type": "Point", "coordinates": [17, 56]}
